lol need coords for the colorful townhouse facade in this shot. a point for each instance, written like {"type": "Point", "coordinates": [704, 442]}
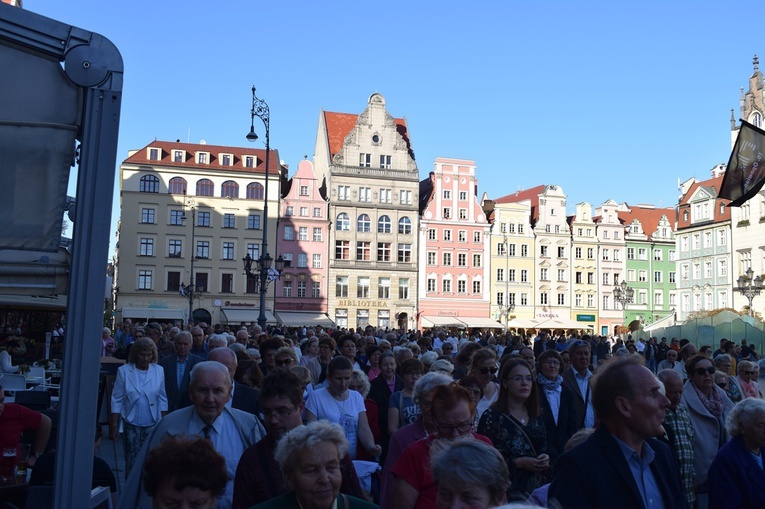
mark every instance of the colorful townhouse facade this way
{"type": "Point", "coordinates": [455, 256]}
{"type": "Point", "coordinates": [611, 266]}
{"type": "Point", "coordinates": [584, 267]}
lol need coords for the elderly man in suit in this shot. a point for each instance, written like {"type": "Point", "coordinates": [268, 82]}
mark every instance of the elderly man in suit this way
{"type": "Point", "coordinates": [178, 370]}
{"type": "Point", "coordinates": [577, 380]}
{"type": "Point", "coordinates": [243, 398]}
{"type": "Point", "coordinates": [231, 431]}
{"type": "Point", "coordinates": [621, 464]}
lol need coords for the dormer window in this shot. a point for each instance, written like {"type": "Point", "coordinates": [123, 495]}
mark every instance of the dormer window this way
{"type": "Point", "coordinates": [249, 161]}
{"type": "Point", "coordinates": [225, 159]}
{"type": "Point", "coordinates": [153, 154]}
{"type": "Point", "coordinates": [178, 156]}
{"type": "Point", "coordinates": [203, 157]}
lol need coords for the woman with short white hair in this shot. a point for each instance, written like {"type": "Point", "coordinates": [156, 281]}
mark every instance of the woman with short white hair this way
{"type": "Point", "coordinates": [736, 476]}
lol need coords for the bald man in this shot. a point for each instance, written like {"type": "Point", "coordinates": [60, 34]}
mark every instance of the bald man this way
{"type": "Point", "coordinates": [243, 398]}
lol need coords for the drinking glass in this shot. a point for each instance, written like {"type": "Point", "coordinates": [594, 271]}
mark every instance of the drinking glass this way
{"type": "Point", "coordinates": [7, 464]}
{"type": "Point", "coordinates": [22, 461]}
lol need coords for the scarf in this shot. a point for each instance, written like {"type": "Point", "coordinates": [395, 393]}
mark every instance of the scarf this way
{"type": "Point", "coordinates": [713, 404]}
{"type": "Point", "coordinates": [547, 384]}
{"type": "Point", "coordinates": [748, 388]}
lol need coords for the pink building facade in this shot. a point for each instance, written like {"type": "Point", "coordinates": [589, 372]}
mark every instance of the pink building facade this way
{"type": "Point", "coordinates": [302, 239]}
{"type": "Point", "coordinates": [454, 286]}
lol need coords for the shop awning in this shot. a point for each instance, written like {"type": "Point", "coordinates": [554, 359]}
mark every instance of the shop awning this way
{"type": "Point", "coordinates": [156, 313]}
{"type": "Point", "coordinates": [522, 323]}
{"type": "Point", "coordinates": [441, 321]}
{"type": "Point", "coordinates": [237, 316]}
{"type": "Point", "coordinates": [481, 323]}
{"type": "Point", "coordinates": [303, 318]}
{"type": "Point", "coordinates": [667, 321]}
{"type": "Point", "coordinates": [567, 323]}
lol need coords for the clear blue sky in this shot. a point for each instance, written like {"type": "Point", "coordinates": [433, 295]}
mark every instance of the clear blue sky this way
{"type": "Point", "coordinates": [604, 99]}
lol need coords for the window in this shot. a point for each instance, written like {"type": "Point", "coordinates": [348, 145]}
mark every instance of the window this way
{"type": "Point", "coordinates": [385, 161]}
{"type": "Point", "coordinates": [253, 222]}
{"type": "Point", "coordinates": [343, 222]}
{"type": "Point", "coordinates": [708, 269]}
{"type": "Point", "coordinates": [476, 287]}
{"type": "Point", "coordinates": [671, 255]}
{"type": "Point", "coordinates": [543, 275]}
{"type": "Point", "coordinates": [617, 255]}
{"type": "Point", "coordinates": [500, 299]}
{"type": "Point", "coordinates": [630, 253]}
{"type": "Point", "coordinates": [520, 232]}
{"type": "Point", "coordinates": [463, 213]}
{"type": "Point", "coordinates": [404, 226]}
{"type": "Point", "coordinates": [447, 213]}
{"type": "Point", "coordinates": [477, 237]}
{"type": "Point", "coordinates": [203, 249]}
{"type": "Point", "coordinates": [642, 254]}
{"type": "Point", "coordinates": [149, 184]}
{"type": "Point", "coordinates": [201, 157]}
{"type": "Point", "coordinates": [383, 251]}
{"type": "Point", "coordinates": [254, 251]}
{"type": "Point", "coordinates": [177, 185]}
{"type": "Point", "coordinates": [578, 253]}
{"type": "Point", "coordinates": [461, 260]}
{"type": "Point", "coordinates": [317, 212]}
{"type": "Point", "coordinates": [657, 276]}
{"type": "Point", "coordinates": [524, 276]}
{"type": "Point", "coordinates": [362, 287]}
{"type": "Point", "coordinates": [203, 219]}
{"type": "Point", "coordinates": [303, 190]}
{"type": "Point", "coordinates": [249, 161]}
{"type": "Point", "coordinates": [578, 300]}
{"type": "Point", "coordinates": [590, 253]}
{"type": "Point", "coordinates": [317, 234]}
{"type": "Point", "coordinates": [289, 233]}
{"type": "Point", "coordinates": [561, 275]}
{"type": "Point", "coordinates": [178, 156]}
{"type": "Point", "coordinates": [590, 301]}
{"type": "Point", "coordinates": [383, 288]}
{"type": "Point", "coordinates": [446, 286]}
{"type": "Point", "coordinates": [147, 247]}
{"type": "Point", "coordinates": [316, 289]}
{"type": "Point", "coordinates": [511, 275]}
{"type": "Point", "coordinates": [405, 197]}
{"type": "Point", "coordinates": [561, 299]}
{"type": "Point", "coordinates": [287, 289]}
{"type": "Point", "coordinates": [316, 261]}
{"type": "Point", "coordinates": [642, 276]}
{"type": "Point", "coordinates": [431, 284]}
{"type": "Point", "coordinates": [229, 221]}
{"type": "Point", "coordinates": [544, 251]}
{"type": "Point", "coordinates": [561, 252]}
{"type": "Point", "coordinates": [344, 193]}
{"type": "Point", "coordinates": [606, 255]}
{"type": "Point", "coordinates": [510, 227]}
{"type": "Point", "coordinates": [524, 299]}
{"type": "Point", "coordinates": [578, 278]}
{"type": "Point", "coordinates": [365, 160]}
{"type": "Point", "coordinates": [229, 189]}
{"type": "Point", "coordinates": [173, 281]}
{"type": "Point", "coordinates": [590, 278]}
{"type": "Point", "coordinates": [657, 255]}
{"type": "Point", "coordinates": [543, 298]}
{"type": "Point", "coordinates": [447, 257]}
{"type": "Point", "coordinates": [477, 260]}
{"type": "Point", "coordinates": [301, 287]}
{"type": "Point", "coordinates": [722, 268]}
{"type": "Point", "coordinates": [447, 235]}
{"type": "Point", "coordinates": [606, 279]}
{"type": "Point", "coordinates": [303, 233]}
{"type": "Point", "coordinates": [226, 283]}
{"type": "Point", "coordinates": [671, 277]}
{"type": "Point", "coordinates": [364, 224]}
{"type": "Point", "coordinates": [432, 234]}
{"type": "Point", "coordinates": [461, 286]}
{"type": "Point", "coordinates": [144, 279]}
{"type": "Point", "coordinates": [147, 216]}
{"type": "Point", "coordinates": [364, 251]}
{"type": "Point", "coordinates": [403, 288]}
{"type": "Point", "coordinates": [447, 195]}
{"type": "Point", "coordinates": [174, 248]}
{"type": "Point", "coordinates": [385, 195]}
{"type": "Point", "coordinates": [228, 250]}
{"type": "Point", "coordinates": [500, 275]}
{"type": "Point", "coordinates": [463, 195]}
{"type": "Point", "coordinates": [341, 286]}
{"type": "Point", "coordinates": [722, 238]}
{"type": "Point", "coordinates": [432, 257]}
{"type": "Point", "coordinates": [383, 224]}
{"type": "Point", "coordinates": [342, 249]}
{"type": "Point", "coordinates": [605, 234]}
{"type": "Point", "coordinates": [606, 302]}
{"type": "Point", "coordinates": [405, 253]}
{"type": "Point", "coordinates": [302, 260]}
{"type": "Point", "coordinates": [177, 217]}
{"type": "Point", "coordinates": [365, 194]}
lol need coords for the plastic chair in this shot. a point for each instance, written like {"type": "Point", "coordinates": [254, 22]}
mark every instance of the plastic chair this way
{"type": "Point", "coordinates": [37, 371]}
{"type": "Point", "coordinates": [13, 382]}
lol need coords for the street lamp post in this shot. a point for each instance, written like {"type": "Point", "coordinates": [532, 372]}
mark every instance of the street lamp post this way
{"type": "Point", "coordinates": [260, 109]}
{"type": "Point", "coordinates": [749, 287]}
{"type": "Point", "coordinates": [509, 306]}
{"type": "Point", "coordinates": [623, 294]}
{"type": "Point", "coordinates": [189, 290]}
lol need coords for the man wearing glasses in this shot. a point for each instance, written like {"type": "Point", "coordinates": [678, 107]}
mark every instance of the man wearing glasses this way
{"type": "Point", "coordinates": [258, 476]}
{"type": "Point", "coordinates": [621, 464]}
{"type": "Point", "coordinates": [577, 380]}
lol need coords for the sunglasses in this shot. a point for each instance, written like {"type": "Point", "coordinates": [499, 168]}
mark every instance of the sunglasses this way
{"type": "Point", "coordinates": [283, 362]}
{"type": "Point", "coordinates": [705, 371]}
{"type": "Point", "coordinates": [749, 372]}
{"type": "Point", "coordinates": [486, 371]}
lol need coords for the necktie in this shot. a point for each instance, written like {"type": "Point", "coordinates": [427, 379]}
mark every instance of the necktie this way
{"type": "Point", "coordinates": [206, 430]}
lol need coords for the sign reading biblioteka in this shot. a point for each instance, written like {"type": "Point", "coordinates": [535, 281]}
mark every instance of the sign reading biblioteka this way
{"type": "Point", "coordinates": [745, 173]}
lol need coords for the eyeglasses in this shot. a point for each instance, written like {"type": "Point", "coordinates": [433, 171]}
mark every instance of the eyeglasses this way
{"type": "Point", "coordinates": [518, 379]}
{"type": "Point", "coordinates": [749, 372]}
{"type": "Point", "coordinates": [448, 430]}
{"type": "Point", "coordinates": [705, 371]}
{"type": "Point", "coordinates": [283, 362]}
{"type": "Point", "coordinates": [280, 412]}
{"type": "Point", "coordinates": [486, 371]}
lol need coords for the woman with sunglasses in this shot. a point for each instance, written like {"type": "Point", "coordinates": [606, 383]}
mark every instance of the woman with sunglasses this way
{"type": "Point", "coordinates": [483, 367]}
{"type": "Point", "coordinates": [516, 427]}
{"type": "Point", "coordinates": [747, 380]}
{"type": "Point", "coordinates": [558, 405]}
{"type": "Point", "coordinates": [708, 406]}
{"type": "Point", "coordinates": [452, 412]}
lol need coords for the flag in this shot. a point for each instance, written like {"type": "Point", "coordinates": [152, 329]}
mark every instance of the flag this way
{"type": "Point", "coordinates": [745, 174]}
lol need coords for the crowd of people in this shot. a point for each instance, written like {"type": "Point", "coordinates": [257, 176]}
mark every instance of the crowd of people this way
{"type": "Point", "coordinates": [314, 418]}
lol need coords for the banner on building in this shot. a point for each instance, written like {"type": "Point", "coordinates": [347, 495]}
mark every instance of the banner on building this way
{"type": "Point", "coordinates": [745, 174]}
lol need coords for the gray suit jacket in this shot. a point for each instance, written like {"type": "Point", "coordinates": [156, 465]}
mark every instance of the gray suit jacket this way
{"type": "Point", "coordinates": [133, 494]}
{"type": "Point", "coordinates": [176, 393]}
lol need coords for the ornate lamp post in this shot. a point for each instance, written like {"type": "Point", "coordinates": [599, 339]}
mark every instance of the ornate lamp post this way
{"type": "Point", "coordinates": [623, 294]}
{"type": "Point", "coordinates": [261, 278]}
{"type": "Point", "coordinates": [189, 290]}
{"type": "Point", "coordinates": [749, 287]}
{"type": "Point", "coordinates": [509, 306]}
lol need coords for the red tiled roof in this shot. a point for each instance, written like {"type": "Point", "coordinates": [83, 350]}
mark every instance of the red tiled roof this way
{"type": "Point", "coordinates": [340, 124]}
{"type": "Point", "coordinates": [649, 217]}
{"type": "Point", "coordinates": [714, 183]}
{"type": "Point", "coordinates": [531, 194]}
{"type": "Point", "coordinates": [166, 157]}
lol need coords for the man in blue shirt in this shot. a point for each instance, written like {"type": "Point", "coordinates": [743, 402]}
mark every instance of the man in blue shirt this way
{"type": "Point", "coordinates": [621, 464]}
